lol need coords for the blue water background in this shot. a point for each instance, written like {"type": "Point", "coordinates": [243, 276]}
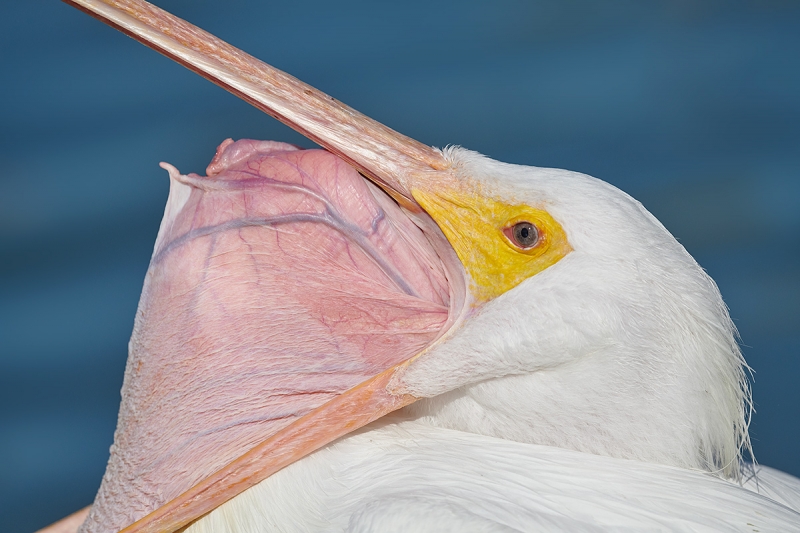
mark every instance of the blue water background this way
{"type": "Point", "coordinates": [691, 107]}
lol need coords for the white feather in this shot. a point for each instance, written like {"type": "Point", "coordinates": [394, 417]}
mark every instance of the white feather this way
{"type": "Point", "coordinates": [407, 476]}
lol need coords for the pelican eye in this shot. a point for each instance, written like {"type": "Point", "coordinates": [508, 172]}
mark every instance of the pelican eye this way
{"type": "Point", "coordinates": [500, 244]}
{"type": "Point", "coordinates": [523, 235]}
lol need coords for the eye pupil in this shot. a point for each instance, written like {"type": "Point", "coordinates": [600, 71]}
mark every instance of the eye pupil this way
{"type": "Point", "coordinates": [525, 234]}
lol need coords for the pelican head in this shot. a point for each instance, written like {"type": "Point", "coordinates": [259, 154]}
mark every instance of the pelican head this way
{"type": "Point", "coordinates": [622, 346]}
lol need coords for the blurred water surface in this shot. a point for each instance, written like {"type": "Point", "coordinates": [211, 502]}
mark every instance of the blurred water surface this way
{"type": "Point", "coordinates": [693, 108]}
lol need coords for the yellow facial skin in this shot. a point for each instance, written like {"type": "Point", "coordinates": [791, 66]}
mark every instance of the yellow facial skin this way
{"type": "Point", "coordinates": [474, 224]}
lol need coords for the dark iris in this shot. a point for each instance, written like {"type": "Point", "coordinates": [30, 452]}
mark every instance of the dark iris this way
{"type": "Point", "coordinates": [525, 234]}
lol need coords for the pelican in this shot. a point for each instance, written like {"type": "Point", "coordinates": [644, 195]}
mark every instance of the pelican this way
{"type": "Point", "coordinates": [456, 344]}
